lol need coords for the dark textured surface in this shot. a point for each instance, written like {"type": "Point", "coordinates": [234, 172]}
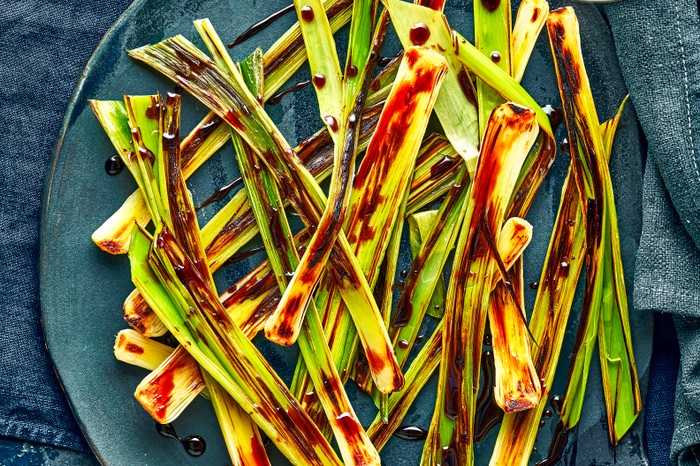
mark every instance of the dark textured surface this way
{"type": "Point", "coordinates": [45, 45]}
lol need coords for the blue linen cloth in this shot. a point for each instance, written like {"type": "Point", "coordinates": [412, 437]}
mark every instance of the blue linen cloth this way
{"type": "Point", "coordinates": [658, 45]}
{"type": "Point", "coordinates": [44, 46]}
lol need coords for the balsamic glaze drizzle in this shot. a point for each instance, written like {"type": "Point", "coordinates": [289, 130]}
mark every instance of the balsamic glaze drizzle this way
{"type": "Point", "coordinates": [260, 25]}
{"type": "Point", "coordinates": [276, 98]}
{"type": "Point", "coordinates": [194, 445]}
{"type": "Point", "coordinates": [411, 433]}
{"type": "Point", "coordinates": [220, 193]}
{"type": "Point", "coordinates": [556, 448]}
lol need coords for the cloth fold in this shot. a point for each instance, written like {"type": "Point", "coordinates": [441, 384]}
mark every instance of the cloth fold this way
{"type": "Point", "coordinates": [658, 44]}
{"type": "Point", "coordinates": [46, 45]}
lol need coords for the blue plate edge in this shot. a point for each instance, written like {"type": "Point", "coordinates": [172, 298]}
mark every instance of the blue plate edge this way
{"type": "Point", "coordinates": [49, 177]}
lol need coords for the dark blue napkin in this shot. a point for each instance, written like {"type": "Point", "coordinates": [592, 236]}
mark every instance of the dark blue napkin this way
{"type": "Point", "coordinates": [658, 43]}
{"type": "Point", "coordinates": [44, 47]}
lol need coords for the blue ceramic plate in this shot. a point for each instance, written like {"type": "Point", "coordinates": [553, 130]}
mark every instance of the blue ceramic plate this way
{"type": "Point", "coordinates": [82, 288]}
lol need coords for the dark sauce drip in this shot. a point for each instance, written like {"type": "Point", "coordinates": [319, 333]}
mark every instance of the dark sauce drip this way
{"type": "Point", "coordinates": [385, 61]}
{"type": "Point", "coordinates": [194, 445]}
{"type": "Point", "coordinates": [555, 115]}
{"type": "Point", "coordinates": [411, 433]}
{"type": "Point", "coordinates": [382, 283]}
{"type": "Point", "coordinates": [350, 71]}
{"type": "Point", "coordinates": [260, 25]}
{"type": "Point", "coordinates": [488, 413]}
{"type": "Point", "coordinates": [449, 454]}
{"type": "Point", "coordinates": [556, 402]}
{"type": "Point", "coordinates": [113, 165]}
{"type": "Point", "coordinates": [419, 34]}
{"type": "Point", "coordinates": [361, 367]}
{"type": "Point", "coordinates": [442, 166]}
{"type": "Point", "coordinates": [220, 193]}
{"type": "Point", "coordinates": [491, 5]}
{"type": "Point", "coordinates": [243, 255]}
{"type": "Point", "coordinates": [404, 344]}
{"type": "Point", "coordinates": [310, 397]}
{"type": "Point", "coordinates": [307, 14]}
{"type": "Point", "coordinates": [276, 98]}
{"type": "Point", "coordinates": [547, 414]}
{"type": "Point", "coordinates": [147, 155]}
{"type": "Point", "coordinates": [452, 385]}
{"type": "Point", "coordinates": [495, 57]}
{"type": "Point", "coordinates": [153, 110]}
{"type": "Point", "coordinates": [331, 122]}
{"type": "Point", "coordinates": [466, 84]}
{"type": "Point", "coordinates": [556, 448]}
{"type": "Point", "coordinates": [319, 80]}
{"type": "Point", "coordinates": [564, 146]}
{"type": "Point", "coordinates": [534, 285]}
{"type": "Point", "coordinates": [564, 269]}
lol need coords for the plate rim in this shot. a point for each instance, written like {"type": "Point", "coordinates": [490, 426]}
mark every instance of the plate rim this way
{"type": "Point", "coordinates": [47, 189]}
{"type": "Point", "coordinates": [50, 183]}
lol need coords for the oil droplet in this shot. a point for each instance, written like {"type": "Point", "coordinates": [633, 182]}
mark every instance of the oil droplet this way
{"type": "Point", "coordinates": [555, 115]}
{"type": "Point", "coordinates": [556, 402]}
{"type": "Point", "coordinates": [113, 165]}
{"type": "Point", "coordinates": [307, 14]}
{"type": "Point", "coordinates": [351, 71]}
{"type": "Point", "coordinates": [319, 80]}
{"type": "Point", "coordinates": [331, 122]}
{"type": "Point", "coordinates": [564, 268]}
{"type": "Point", "coordinates": [194, 445]}
{"type": "Point", "coordinates": [495, 57]}
{"type": "Point", "coordinates": [419, 34]}
{"type": "Point", "coordinates": [564, 146]}
{"type": "Point", "coordinates": [491, 5]}
{"type": "Point", "coordinates": [411, 433]}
